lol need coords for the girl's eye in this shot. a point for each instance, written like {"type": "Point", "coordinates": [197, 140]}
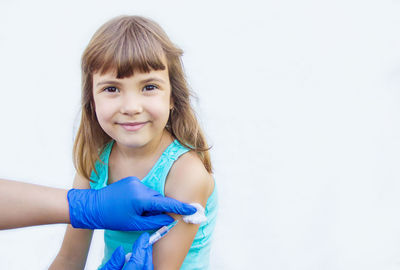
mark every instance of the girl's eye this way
{"type": "Point", "coordinates": [149, 87]}
{"type": "Point", "coordinates": [111, 89]}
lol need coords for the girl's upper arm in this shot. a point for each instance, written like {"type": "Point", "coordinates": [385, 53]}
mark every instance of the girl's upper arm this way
{"type": "Point", "coordinates": [188, 181]}
{"type": "Point", "coordinates": [76, 243]}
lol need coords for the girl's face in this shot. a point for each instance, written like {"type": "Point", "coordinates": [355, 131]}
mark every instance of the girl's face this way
{"type": "Point", "coordinates": [133, 111]}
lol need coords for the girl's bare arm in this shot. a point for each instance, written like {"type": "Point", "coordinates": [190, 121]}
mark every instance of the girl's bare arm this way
{"type": "Point", "coordinates": [76, 243]}
{"type": "Point", "coordinates": [189, 182]}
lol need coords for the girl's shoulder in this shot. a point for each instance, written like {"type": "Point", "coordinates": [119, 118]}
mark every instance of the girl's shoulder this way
{"type": "Point", "coordinates": [188, 180]}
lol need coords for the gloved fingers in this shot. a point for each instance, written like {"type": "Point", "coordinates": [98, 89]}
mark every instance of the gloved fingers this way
{"type": "Point", "coordinates": [138, 185]}
{"type": "Point", "coordinates": [117, 260]}
{"type": "Point", "coordinates": [153, 222]}
{"type": "Point", "coordinates": [170, 205]}
{"type": "Point", "coordinates": [151, 213]}
{"type": "Point", "coordinates": [149, 258]}
{"type": "Point", "coordinates": [142, 254]}
{"type": "Point", "coordinates": [127, 179]}
{"type": "Point", "coordinates": [148, 252]}
{"type": "Point", "coordinates": [126, 183]}
{"type": "Point", "coordinates": [141, 244]}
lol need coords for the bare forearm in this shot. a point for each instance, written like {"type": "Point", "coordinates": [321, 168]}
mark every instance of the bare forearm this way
{"type": "Point", "coordinates": [23, 204]}
{"type": "Point", "coordinates": [61, 263]}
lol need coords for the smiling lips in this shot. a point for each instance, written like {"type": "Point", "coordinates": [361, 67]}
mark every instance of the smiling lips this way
{"type": "Point", "coordinates": [132, 126]}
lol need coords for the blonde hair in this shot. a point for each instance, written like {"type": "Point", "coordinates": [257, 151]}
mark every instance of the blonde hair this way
{"type": "Point", "coordinates": [126, 44]}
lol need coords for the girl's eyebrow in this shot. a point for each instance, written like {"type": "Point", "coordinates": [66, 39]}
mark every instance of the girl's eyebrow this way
{"type": "Point", "coordinates": [108, 82]}
{"type": "Point", "coordinates": [151, 79]}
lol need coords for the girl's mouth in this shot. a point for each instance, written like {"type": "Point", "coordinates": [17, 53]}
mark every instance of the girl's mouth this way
{"type": "Point", "coordinates": [134, 126]}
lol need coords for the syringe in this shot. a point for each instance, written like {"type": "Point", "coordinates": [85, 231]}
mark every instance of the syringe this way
{"type": "Point", "coordinates": [154, 237]}
{"type": "Point", "coordinates": [161, 232]}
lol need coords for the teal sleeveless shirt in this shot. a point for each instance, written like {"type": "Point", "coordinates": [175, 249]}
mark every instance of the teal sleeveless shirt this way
{"type": "Point", "coordinates": [199, 252]}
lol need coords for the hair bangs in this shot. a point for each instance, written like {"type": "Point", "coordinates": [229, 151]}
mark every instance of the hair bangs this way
{"type": "Point", "coordinates": [133, 49]}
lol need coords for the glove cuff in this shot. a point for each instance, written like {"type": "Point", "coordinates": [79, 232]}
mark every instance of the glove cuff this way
{"type": "Point", "coordinates": [80, 215]}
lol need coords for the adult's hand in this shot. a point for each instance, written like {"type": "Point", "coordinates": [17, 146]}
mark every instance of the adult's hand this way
{"type": "Point", "coordinates": [141, 258]}
{"type": "Point", "coordinates": [126, 205]}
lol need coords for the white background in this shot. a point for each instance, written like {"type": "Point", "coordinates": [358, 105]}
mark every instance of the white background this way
{"type": "Point", "coordinates": [300, 100]}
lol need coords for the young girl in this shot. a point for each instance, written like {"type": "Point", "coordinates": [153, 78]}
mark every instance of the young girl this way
{"type": "Point", "coordinates": [137, 121]}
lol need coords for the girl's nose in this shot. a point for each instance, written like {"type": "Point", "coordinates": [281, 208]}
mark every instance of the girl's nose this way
{"type": "Point", "coordinates": [131, 104]}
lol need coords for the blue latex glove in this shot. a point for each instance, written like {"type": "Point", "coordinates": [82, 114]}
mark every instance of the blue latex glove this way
{"type": "Point", "coordinates": [126, 205]}
{"type": "Point", "coordinates": [141, 258]}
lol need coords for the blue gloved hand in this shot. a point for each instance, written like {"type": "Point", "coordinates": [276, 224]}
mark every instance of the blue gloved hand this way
{"type": "Point", "coordinates": [126, 205]}
{"type": "Point", "coordinates": [141, 258]}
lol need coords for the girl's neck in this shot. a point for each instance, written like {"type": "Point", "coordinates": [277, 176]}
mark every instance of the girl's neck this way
{"type": "Point", "coordinates": [147, 151]}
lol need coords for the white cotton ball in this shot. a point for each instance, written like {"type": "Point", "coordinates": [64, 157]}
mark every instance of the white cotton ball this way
{"type": "Point", "coordinates": [198, 217]}
{"type": "Point", "coordinates": [128, 257]}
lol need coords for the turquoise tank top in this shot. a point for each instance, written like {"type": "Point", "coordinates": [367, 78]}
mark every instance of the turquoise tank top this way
{"type": "Point", "coordinates": [198, 255]}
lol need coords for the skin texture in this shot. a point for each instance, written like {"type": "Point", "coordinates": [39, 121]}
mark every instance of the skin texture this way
{"type": "Point", "coordinates": [188, 181]}
{"type": "Point", "coordinates": [22, 204]}
{"type": "Point", "coordinates": [143, 99]}
{"type": "Point", "coordinates": [75, 247]}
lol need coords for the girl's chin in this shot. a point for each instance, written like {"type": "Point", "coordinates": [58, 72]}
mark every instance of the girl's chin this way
{"type": "Point", "coordinates": [132, 142]}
